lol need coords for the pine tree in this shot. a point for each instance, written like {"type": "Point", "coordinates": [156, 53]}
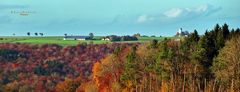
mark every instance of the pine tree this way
{"type": "Point", "coordinates": [190, 42]}
{"type": "Point", "coordinates": [164, 50]}
{"type": "Point", "coordinates": [225, 31]}
{"type": "Point", "coordinates": [154, 43]}
{"type": "Point", "coordinates": [205, 53]}
{"type": "Point", "coordinates": [131, 69]}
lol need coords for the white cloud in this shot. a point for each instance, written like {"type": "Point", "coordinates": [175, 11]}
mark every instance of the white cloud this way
{"type": "Point", "coordinates": [179, 14]}
{"type": "Point", "coordinates": [203, 8]}
{"type": "Point", "coordinates": [176, 12]}
{"type": "Point", "coordinates": [191, 12]}
{"type": "Point", "coordinates": [144, 18]}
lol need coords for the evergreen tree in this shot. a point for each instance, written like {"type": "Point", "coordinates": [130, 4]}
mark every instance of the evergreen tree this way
{"type": "Point", "coordinates": [205, 53]}
{"type": "Point", "coordinates": [216, 28]}
{"type": "Point", "coordinates": [237, 31]}
{"type": "Point", "coordinates": [164, 50]}
{"type": "Point", "coordinates": [190, 42]}
{"type": "Point", "coordinates": [225, 31]}
{"type": "Point", "coordinates": [195, 36]}
{"type": "Point", "coordinates": [131, 69]}
{"type": "Point", "coordinates": [154, 43]}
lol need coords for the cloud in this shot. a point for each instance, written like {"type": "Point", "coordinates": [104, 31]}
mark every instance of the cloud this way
{"type": "Point", "coordinates": [144, 18]}
{"type": "Point", "coordinates": [178, 14]}
{"type": "Point", "coordinates": [203, 10]}
{"type": "Point", "coordinates": [174, 12]}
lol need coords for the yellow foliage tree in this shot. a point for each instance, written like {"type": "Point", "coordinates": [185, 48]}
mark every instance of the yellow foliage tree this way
{"type": "Point", "coordinates": [68, 85]}
{"type": "Point", "coordinates": [227, 64]}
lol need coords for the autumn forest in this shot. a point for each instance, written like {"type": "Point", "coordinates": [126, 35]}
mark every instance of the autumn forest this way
{"type": "Point", "coordinates": [196, 63]}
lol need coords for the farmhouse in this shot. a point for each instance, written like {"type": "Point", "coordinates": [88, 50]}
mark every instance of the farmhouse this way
{"type": "Point", "coordinates": [77, 38]}
{"type": "Point", "coordinates": [106, 39]}
{"type": "Point", "coordinates": [111, 38]}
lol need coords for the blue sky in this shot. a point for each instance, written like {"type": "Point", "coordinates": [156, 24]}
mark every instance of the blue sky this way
{"type": "Point", "coordinates": [119, 17]}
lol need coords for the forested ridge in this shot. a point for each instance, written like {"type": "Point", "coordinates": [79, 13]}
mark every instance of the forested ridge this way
{"type": "Point", "coordinates": [25, 67]}
{"type": "Point", "coordinates": [197, 63]}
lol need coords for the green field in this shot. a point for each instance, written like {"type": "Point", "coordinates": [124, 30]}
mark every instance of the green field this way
{"type": "Point", "coordinates": [59, 40]}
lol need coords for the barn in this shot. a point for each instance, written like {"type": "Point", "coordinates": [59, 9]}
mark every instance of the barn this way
{"type": "Point", "coordinates": [77, 38]}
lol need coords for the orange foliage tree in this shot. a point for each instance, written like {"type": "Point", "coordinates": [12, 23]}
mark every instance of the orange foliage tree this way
{"type": "Point", "coordinates": [68, 85]}
{"type": "Point", "coordinates": [107, 72]}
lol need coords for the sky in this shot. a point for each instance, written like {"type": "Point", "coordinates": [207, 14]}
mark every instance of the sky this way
{"type": "Point", "coordinates": [115, 17]}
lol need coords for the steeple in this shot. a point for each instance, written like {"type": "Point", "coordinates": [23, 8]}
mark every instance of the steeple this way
{"type": "Point", "coordinates": [180, 31]}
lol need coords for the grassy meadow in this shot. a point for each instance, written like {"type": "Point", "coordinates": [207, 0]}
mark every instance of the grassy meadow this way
{"type": "Point", "coordinates": [59, 40]}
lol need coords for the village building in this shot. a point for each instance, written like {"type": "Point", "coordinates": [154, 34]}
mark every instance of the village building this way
{"type": "Point", "coordinates": [119, 38]}
{"type": "Point", "coordinates": [106, 39]}
{"type": "Point", "coordinates": [111, 38]}
{"type": "Point", "coordinates": [77, 38]}
{"type": "Point", "coordinates": [182, 33]}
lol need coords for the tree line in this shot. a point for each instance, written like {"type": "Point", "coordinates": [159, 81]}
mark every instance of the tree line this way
{"type": "Point", "coordinates": [197, 63]}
